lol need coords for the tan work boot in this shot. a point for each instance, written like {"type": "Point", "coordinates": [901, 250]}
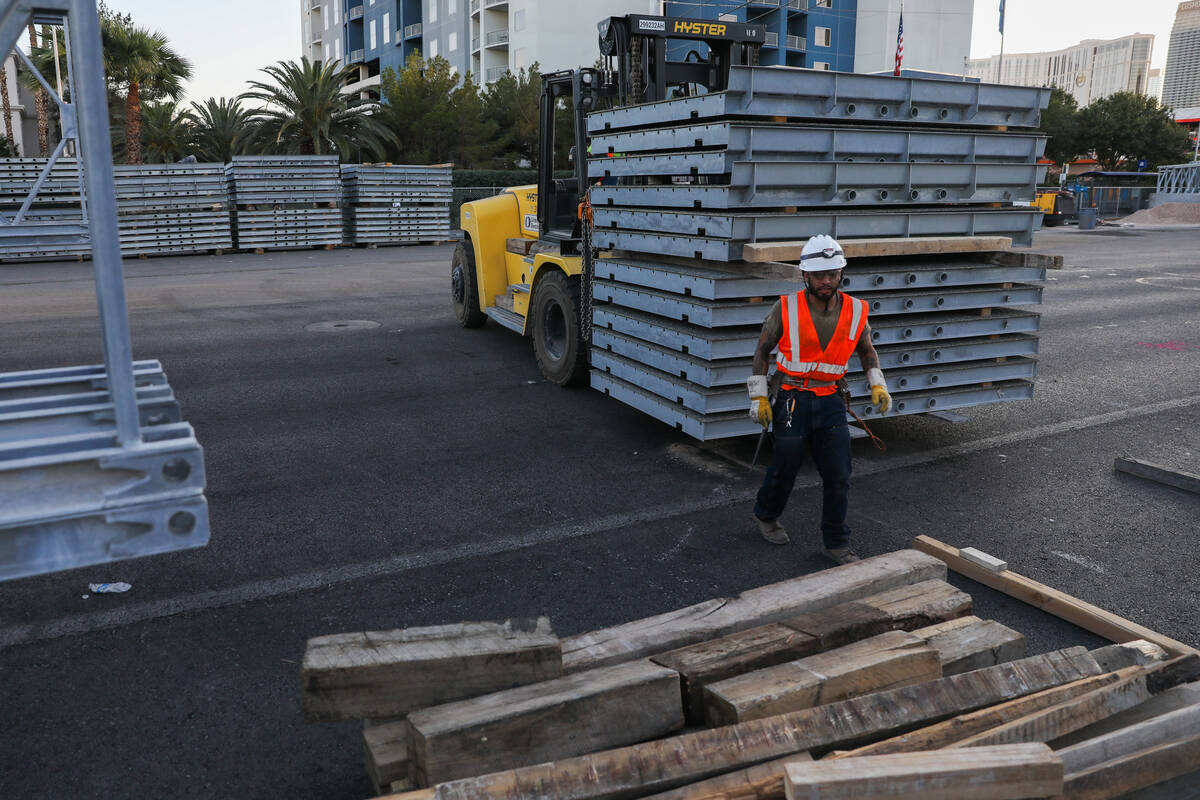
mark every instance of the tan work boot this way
{"type": "Point", "coordinates": [772, 531]}
{"type": "Point", "coordinates": [840, 555]}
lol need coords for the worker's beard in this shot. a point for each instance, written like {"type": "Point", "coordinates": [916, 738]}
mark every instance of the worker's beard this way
{"type": "Point", "coordinates": [823, 293]}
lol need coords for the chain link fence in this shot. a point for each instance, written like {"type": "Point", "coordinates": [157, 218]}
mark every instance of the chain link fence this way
{"type": "Point", "coordinates": [465, 194]}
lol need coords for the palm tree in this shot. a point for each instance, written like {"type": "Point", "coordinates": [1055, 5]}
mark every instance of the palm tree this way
{"type": "Point", "coordinates": [42, 101]}
{"type": "Point", "coordinates": [222, 129]}
{"type": "Point", "coordinates": [7, 103]}
{"type": "Point", "coordinates": [307, 113]}
{"type": "Point", "coordinates": [166, 132]}
{"type": "Point", "coordinates": [143, 64]}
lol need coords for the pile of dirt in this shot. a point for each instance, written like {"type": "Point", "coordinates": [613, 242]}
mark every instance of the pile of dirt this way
{"type": "Point", "coordinates": [1166, 214]}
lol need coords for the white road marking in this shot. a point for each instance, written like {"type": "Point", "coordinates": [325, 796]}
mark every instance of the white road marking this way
{"type": "Point", "coordinates": [722, 498]}
{"type": "Point", "coordinates": [1082, 561]}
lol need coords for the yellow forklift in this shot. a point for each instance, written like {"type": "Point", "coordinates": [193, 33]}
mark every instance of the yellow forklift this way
{"type": "Point", "coordinates": [525, 258]}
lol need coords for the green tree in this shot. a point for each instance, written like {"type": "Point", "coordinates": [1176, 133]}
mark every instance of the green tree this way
{"type": "Point", "coordinates": [142, 64]}
{"type": "Point", "coordinates": [221, 129]}
{"type": "Point", "coordinates": [1061, 122]}
{"type": "Point", "coordinates": [512, 101]}
{"type": "Point", "coordinates": [437, 116]}
{"type": "Point", "coordinates": [1126, 126]}
{"type": "Point", "coordinates": [166, 132]}
{"type": "Point", "coordinates": [306, 112]}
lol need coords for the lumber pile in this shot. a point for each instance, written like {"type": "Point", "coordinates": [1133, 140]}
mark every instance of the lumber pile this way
{"type": "Point", "coordinates": [842, 683]}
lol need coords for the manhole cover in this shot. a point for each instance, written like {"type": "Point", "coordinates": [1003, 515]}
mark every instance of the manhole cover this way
{"type": "Point", "coordinates": [339, 325]}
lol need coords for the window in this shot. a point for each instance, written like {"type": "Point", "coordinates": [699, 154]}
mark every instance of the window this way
{"type": "Point", "coordinates": [374, 43]}
{"type": "Point", "coordinates": [387, 27]}
{"type": "Point", "coordinates": [519, 58]}
{"type": "Point", "coordinates": [820, 65]}
{"type": "Point", "coordinates": [337, 49]}
{"type": "Point", "coordinates": [325, 16]}
{"type": "Point", "coordinates": [451, 6]}
{"type": "Point", "coordinates": [433, 50]}
{"type": "Point", "coordinates": [452, 42]}
{"type": "Point", "coordinates": [519, 20]}
{"type": "Point", "coordinates": [824, 3]}
{"type": "Point", "coordinates": [433, 10]}
{"type": "Point", "coordinates": [823, 37]}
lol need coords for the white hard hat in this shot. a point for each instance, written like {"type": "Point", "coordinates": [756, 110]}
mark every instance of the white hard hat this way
{"type": "Point", "coordinates": [821, 253]}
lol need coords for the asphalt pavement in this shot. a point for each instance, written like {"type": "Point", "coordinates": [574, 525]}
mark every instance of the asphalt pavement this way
{"type": "Point", "coordinates": [416, 473]}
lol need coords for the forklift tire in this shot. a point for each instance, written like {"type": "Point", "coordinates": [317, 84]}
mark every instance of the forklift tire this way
{"type": "Point", "coordinates": [554, 326]}
{"type": "Point", "coordinates": [464, 287]}
{"type": "Point", "coordinates": [1052, 220]}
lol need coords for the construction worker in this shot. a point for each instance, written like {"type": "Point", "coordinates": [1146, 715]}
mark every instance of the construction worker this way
{"type": "Point", "coordinates": [816, 331]}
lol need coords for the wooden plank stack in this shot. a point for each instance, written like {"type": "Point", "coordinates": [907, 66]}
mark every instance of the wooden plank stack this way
{"type": "Point", "coordinates": [842, 683]}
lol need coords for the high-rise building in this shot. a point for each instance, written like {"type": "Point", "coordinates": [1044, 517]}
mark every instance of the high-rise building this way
{"type": "Point", "coordinates": [1154, 84]}
{"type": "Point", "coordinates": [1181, 77]}
{"type": "Point", "coordinates": [937, 35]}
{"type": "Point", "coordinates": [1089, 70]}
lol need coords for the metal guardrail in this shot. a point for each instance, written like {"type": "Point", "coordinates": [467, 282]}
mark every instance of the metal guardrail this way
{"type": "Point", "coordinates": [797, 5]}
{"type": "Point", "coordinates": [474, 43]}
{"type": "Point", "coordinates": [772, 39]}
{"type": "Point", "coordinates": [494, 3]}
{"type": "Point", "coordinates": [1179, 179]}
{"type": "Point", "coordinates": [770, 3]}
{"type": "Point", "coordinates": [496, 73]}
{"type": "Point", "coordinates": [413, 30]}
{"type": "Point", "coordinates": [356, 12]}
{"type": "Point", "coordinates": [796, 42]}
{"type": "Point", "coordinates": [496, 37]}
{"type": "Point", "coordinates": [474, 6]}
{"type": "Point", "coordinates": [356, 56]}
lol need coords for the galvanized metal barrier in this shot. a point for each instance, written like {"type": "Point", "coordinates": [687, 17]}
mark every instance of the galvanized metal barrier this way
{"type": "Point", "coordinates": [396, 204]}
{"type": "Point", "coordinates": [95, 462]}
{"type": "Point", "coordinates": [283, 202]}
{"type": "Point", "coordinates": [785, 154]}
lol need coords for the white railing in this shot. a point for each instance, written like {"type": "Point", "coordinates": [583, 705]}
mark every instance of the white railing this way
{"type": "Point", "coordinates": [495, 73]}
{"type": "Point", "coordinates": [797, 5]}
{"type": "Point", "coordinates": [356, 12]}
{"type": "Point", "coordinates": [772, 39]}
{"type": "Point", "coordinates": [497, 37]}
{"type": "Point", "coordinates": [1179, 178]}
{"type": "Point", "coordinates": [474, 6]}
{"type": "Point", "coordinates": [357, 56]}
{"type": "Point", "coordinates": [494, 3]}
{"type": "Point", "coordinates": [796, 43]}
{"type": "Point", "coordinates": [474, 44]}
{"type": "Point", "coordinates": [412, 30]}
{"type": "Point", "coordinates": [772, 3]}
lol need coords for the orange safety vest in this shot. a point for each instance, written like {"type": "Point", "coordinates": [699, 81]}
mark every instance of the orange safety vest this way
{"type": "Point", "coordinates": [801, 359]}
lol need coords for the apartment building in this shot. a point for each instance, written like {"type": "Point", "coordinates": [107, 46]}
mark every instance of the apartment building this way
{"type": "Point", "coordinates": [1181, 76]}
{"type": "Point", "coordinates": [1089, 70]}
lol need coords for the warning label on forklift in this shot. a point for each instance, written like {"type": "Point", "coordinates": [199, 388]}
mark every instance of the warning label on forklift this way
{"type": "Point", "coordinates": [531, 223]}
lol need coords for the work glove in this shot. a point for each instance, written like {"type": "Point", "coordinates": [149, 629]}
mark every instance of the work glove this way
{"type": "Point", "coordinates": [760, 403]}
{"type": "Point", "coordinates": [879, 393]}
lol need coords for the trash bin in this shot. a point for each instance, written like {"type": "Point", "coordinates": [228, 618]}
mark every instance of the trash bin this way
{"type": "Point", "coordinates": [1087, 219]}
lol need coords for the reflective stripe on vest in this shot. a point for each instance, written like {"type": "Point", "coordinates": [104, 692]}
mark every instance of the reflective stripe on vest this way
{"type": "Point", "coordinates": [831, 362]}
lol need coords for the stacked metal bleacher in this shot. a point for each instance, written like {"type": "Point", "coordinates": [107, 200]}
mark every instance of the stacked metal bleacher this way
{"type": "Point", "coordinates": [282, 202]}
{"type": "Point", "coordinates": [396, 203]}
{"type": "Point", "coordinates": [786, 154]}
{"type": "Point", "coordinates": [161, 208]}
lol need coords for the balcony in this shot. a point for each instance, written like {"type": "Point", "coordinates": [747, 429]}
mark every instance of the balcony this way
{"type": "Point", "coordinates": [772, 40]}
{"type": "Point", "coordinates": [771, 3]}
{"type": "Point", "coordinates": [356, 12]}
{"type": "Point", "coordinates": [796, 43]}
{"type": "Point", "coordinates": [412, 31]}
{"type": "Point", "coordinates": [494, 3]}
{"type": "Point", "coordinates": [496, 38]}
{"type": "Point", "coordinates": [797, 5]}
{"type": "Point", "coordinates": [357, 57]}
{"type": "Point", "coordinates": [474, 6]}
{"type": "Point", "coordinates": [475, 44]}
{"type": "Point", "coordinates": [315, 41]}
{"type": "Point", "coordinates": [495, 73]}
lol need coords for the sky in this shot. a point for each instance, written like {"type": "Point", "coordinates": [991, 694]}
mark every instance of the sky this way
{"type": "Point", "coordinates": [229, 41]}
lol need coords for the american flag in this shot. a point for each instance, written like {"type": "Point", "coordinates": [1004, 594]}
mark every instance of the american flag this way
{"type": "Point", "coordinates": [899, 43]}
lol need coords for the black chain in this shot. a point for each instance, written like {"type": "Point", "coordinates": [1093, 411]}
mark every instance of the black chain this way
{"type": "Point", "coordinates": [585, 288]}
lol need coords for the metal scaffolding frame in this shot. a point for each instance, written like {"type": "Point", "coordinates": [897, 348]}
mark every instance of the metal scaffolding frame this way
{"type": "Point", "coordinates": [95, 462]}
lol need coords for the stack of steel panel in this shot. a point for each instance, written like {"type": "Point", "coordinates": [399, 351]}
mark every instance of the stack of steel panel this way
{"type": "Point", "coordinates": [396, 204]}
{"type": "Point", "coordinates": [285, 201]}
{"type": "Point", "coordinates": [161, 208]}
{"type": "Point", "coordinates": [172, 208]}
{"type": "Point", "coordinates": [74, 493]}
{"type": "Point", "coordinates": [786, 154]}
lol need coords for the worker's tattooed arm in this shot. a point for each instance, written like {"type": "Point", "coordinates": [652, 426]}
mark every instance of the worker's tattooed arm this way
{"type": "Point", "coordinates": [772, 330]}
{"type": "Point", "coordinates": [866, 350]}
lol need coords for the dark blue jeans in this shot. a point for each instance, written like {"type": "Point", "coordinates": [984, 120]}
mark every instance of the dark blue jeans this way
{"type": "Point", "coordinates": [805, 421]}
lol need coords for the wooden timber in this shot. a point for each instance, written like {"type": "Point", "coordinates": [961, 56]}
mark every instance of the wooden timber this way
{"type": "Point", "coordinates": [385, 750]}
{"type": "Point", "coordinates": [945, 734]}
{"type": "Point", "coordinates": [1007, 772]}
{"type": "Point", "coordinates": [864, 248]}
{"type": "Point", "coordinates": [968, 643]}
{"type": "Point", "coordinates": [1154, 472]}
{"type": "Point", "coordinates": [1135, 653]}
{"type": "Point", "coordinates": [773, 603]}
{"type": "Point", "coordinates": [1182, 696]}
{"type": "Point", "coordinates": [1060, 604]}
{"type": "Point", "coordinates": [892, 659]}
{"type": "Point", "coordinates": [389, 673]}
{"type": "Point", "coordinates": [1171, 726]}
{"type": "Point", "coordinates": [904, 608]}
{"type": "Point", "coordinates": [1138, 770]}
{"type": "Point", "coordinates": [730, 784]}
{"type": "Point", "coordinates": [576, 714]}
{"type": "Point", "coordinates": [635, 771]}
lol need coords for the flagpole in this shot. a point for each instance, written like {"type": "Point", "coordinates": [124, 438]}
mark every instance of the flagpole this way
{"type": "Point", "coordinates": [1000, 75]}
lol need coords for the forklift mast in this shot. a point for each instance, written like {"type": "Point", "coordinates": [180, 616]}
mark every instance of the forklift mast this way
{"type": "Point", "coordinates": [637, 70]}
